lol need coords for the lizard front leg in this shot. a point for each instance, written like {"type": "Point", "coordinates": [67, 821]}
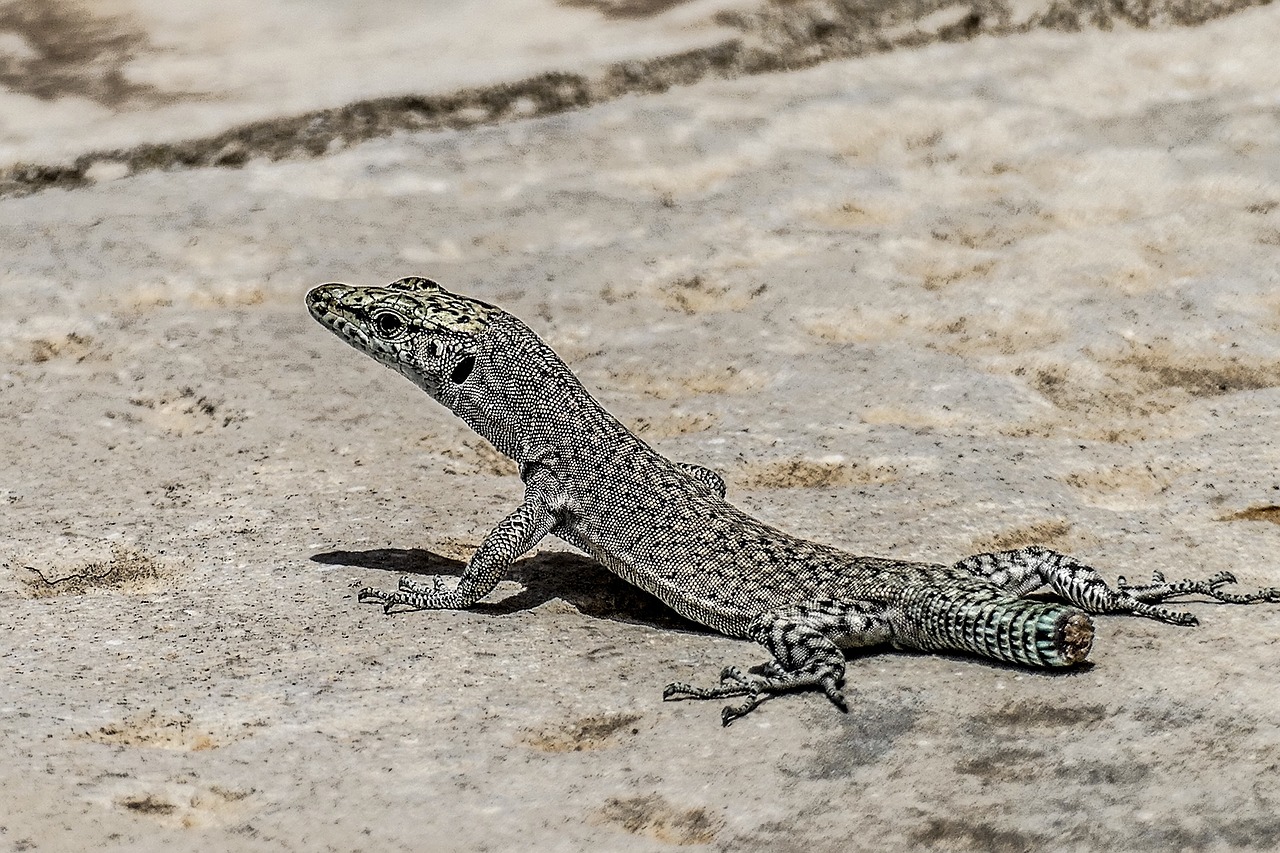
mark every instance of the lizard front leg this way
{"type": "Point", "coordinates": [513, 536]}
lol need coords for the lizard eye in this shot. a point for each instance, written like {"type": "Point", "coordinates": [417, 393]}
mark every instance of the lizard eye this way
{"type": "Point", "coordinates": [388, 323]}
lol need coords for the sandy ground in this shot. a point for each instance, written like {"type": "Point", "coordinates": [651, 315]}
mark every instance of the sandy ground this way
{"type": "Point", "coordinates": [962, 296]}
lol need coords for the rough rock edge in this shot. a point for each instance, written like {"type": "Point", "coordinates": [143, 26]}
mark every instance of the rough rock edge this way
{"type": "Point", "coordinates": [776, 38]}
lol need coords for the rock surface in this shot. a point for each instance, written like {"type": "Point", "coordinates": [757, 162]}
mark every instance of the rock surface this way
{"type": "Point", "coordinates": [972, 294]}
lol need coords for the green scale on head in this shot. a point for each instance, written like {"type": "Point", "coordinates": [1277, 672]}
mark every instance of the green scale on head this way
{"type": "Point", "coordinates": [412, 325]}
{"type": "Point", "coordinates": [442, 308]}
{"type": "Point", "coordinates": [420, 300]}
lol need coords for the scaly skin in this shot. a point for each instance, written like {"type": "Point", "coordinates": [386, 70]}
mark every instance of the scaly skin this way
{"type": "Point", "coordinates": [666, 527]}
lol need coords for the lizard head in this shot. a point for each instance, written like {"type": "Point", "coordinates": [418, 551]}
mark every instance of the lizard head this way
{"type": "Point", "coordinates": [414, 326]}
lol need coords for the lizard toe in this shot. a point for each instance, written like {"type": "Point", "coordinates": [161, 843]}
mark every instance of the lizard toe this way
{"type": "Point", "coordinates": [737, 712]}
{"type": "Point", "coordinates": [677, 690]}
{"type": "Point", "coordinates": [833, 693]}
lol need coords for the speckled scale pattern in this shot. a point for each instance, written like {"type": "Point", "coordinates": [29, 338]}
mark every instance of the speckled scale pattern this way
{"type": "Point", "coordinates": [666, 527]}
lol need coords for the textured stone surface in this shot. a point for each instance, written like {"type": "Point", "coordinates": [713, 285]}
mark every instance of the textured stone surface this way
{"type": "Point", "coordinates": [92, 94]}
{"type": "Point", "coordinates": [118, 73]}
{"type": "Point", "coordinates": [919, 303]}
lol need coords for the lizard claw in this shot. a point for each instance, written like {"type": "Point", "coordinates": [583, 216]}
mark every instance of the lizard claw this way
{"type": "Point", "coordinates": [1157, 578]}
{"type": "Point", "coordinates": [833, 693]}
{"type": "Point", "coordinates": [386, 599]}
{"type": "Point", "coordinates": [734, 675]}
{"type": "Point", "coordinates": [1178, 618]}
{"type": "Point", "coordinates": [675, 689]}
{"type": "Point", "coordinates": [734, 712]}
{"type": "Point", "coordinates": [1221, 579]}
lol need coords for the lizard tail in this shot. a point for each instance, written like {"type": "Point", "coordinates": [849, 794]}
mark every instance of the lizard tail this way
{"type": "Point", "coordinates": [1064, 636]}
{"type": "Point", "coordinates": [1024, 632]}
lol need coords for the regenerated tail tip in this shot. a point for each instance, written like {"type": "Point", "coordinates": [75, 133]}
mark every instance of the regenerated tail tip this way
{"type": "Point", "coordinates": [1074, 635]}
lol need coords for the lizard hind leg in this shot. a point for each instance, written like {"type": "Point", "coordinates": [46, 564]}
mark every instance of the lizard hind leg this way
{"type": "Point", "coordinates": [803, 640]}
{"type": "Point", "coordinates": [1027, 569]}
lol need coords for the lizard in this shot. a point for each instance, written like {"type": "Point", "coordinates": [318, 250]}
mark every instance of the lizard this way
{"type": "Point", "coordinates": [666, 527]}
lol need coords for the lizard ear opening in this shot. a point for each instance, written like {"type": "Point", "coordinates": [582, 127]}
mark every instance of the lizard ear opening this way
{"type": "Point", "coordinates": [462, 370]}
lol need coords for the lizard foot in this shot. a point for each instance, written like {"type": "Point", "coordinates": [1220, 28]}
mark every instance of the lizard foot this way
{"type": "Point", "coordinates": [1161, 589]}
{"type": "Point", "coordinates": [388, 600]}
{"type": "Point", "coordinates": [771, 680]}
{"type": "Point", "coordinates": [733, 682]}
{"type": "Point", "coordinates": [410, 594]}
{"type": "Point", "coordinates": [829, 686]}
{"type": "Point", "coordinates": [417, 596]}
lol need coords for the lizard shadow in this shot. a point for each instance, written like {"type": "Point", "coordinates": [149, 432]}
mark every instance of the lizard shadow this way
{"type": "Point", "coordinates": [998, 665]}
{"type": "Point", "coordinates": [579, 581]}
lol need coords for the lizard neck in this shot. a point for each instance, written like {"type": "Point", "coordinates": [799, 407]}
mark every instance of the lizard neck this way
{"type": "Point", "coordinates": [528, 404]}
